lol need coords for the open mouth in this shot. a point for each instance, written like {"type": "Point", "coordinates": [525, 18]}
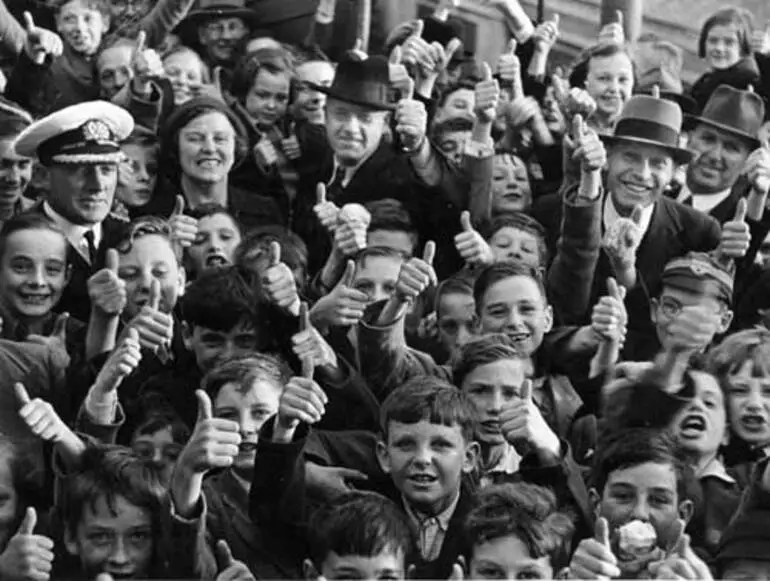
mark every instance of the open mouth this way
{"type": "Point", "coordinates": [693, 426]}
{"type": "Point", "coordinates": [519, 337]}
{"type": "Point", "coordinates": [636, 189]}
{"type": "Point", "coordinates": [34, 298]}
{"type": "Point", "coordinates": [208, 163]}
{"type": "Point", "coordinates": [491, 425]}
{"type": "Point", "coordinates": [423, 479]}
{"type": "Point", "coordinates": [753, 422]}
{"type": "Point", "coordinates": [216, 260]}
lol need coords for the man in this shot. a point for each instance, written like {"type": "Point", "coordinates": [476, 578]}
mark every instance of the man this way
{"type": "Point", "coordinates": [80, 146]}
{"type": "Point", "coordinates": [642, 229]}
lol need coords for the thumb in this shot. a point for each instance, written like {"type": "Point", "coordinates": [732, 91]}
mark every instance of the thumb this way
{"type": "Point", "coordinates": [555, 20]}
{"type": "Point", "coordinates": [465, 220]}
{"type": "Point", "coordinates": [359, 45]}
{"type": "Point", "coordinates": [636, 215]}
{"type": "Point", "coordinates": [217, 79]}
{"type": "Point", "coordinates": [619, 17]}
{"type": "Point", "coordinates": [111, 260]}
{"type": "Point", "coordinates": [225, 558]}
{"type": "Point", "coordinates": [351, 474]}
{"type": "Point", "coordinates": [408, 92]}
{"type": "Point", "coordinates": [320, 193]}
{"type": "Point", "coordinates": [578, 127]}
{"type": "Point", "coordinates": [350, 274]}
{"type": "Point", "coordinates": [429, 253]}
{"type": "Point", "coordinates": [418, 28]}
{"type": "Point", "coordinates": [395, 56]}
{"type": "Point", "coordinates": [29, 22]}
{"type": "Point", "coordinates": [613, 289]}
{"type": "Point", "coordinates": [526, 390]}
{"type": "Point", "coordinates": [451, 48]}
{"type": "Point", "coordinates": [60, 327]}
{"type": "Point", "coordinates": [486, 72]}
{"type": "Point", "coordinates": [602, 531]}
{"type": "Point", "coordinates": [204, 405]}
{"type": "Point", "coordinates": [103, 577]}
{"type": "Point", "coordinates": [740, 211]}
{"type": "Point", "coordinates": [29, 523]}
{"type": "Point", "coordinates": [133, 334]}
{"type": "Point", "coordinates": [512, 46]}
{"type": "Point", "coordinates": [304, 317]}
{"type": "Point", "coordinates": [178, 206]}
{"type": "Point", "coordinates": [275, 253]}
{"type": "Point", "coordinates": [457, 573]}
{"type": "Point", "coordinates": [154, 294]}
{"type": "Point", "coordinates": [677, 538]}
{"type": "Point", "coordinates": [308, 369]}
{"type": "Point", "coordinates": [141, 41]}
{"type": "Point", "coordinates": [21, 393]}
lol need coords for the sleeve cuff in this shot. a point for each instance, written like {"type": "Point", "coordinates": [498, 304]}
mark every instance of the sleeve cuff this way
{"type": "Point", "coordinates": [479, 150]}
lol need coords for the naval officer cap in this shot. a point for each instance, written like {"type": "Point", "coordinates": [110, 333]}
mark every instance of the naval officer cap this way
{"type": "Point", "coordinates": [84, 133]}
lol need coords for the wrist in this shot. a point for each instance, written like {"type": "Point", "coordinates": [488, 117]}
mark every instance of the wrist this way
{"type": "Point", "coordinates": [549, 449]}
{"type": "Point", "coordinates": [416, 149]}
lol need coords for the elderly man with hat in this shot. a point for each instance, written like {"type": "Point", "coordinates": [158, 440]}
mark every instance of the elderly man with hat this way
{"type": "Point", "coordinates": [80, 147]}
{"type": "Point", "coordinates": [633, 231]}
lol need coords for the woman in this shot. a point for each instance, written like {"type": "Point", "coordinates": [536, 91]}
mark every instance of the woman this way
{"type": "Point", "coordinates": [201, 142]}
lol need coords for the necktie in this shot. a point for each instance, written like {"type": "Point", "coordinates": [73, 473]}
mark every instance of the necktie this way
{"type": "Point", "coordinates": [429, 529]}
{"type": "Point", "coordinates": [334, 189]}
{"type": "Point", "coordinates": [91, 241]}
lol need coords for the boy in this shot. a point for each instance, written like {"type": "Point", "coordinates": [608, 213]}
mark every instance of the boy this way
{"type": "Point", "coordinates": [516, 532]}
{"type": "Point", "coordinates": [138, 172]}
{"type": "Point", "coordinates": [391, 226]}
{"type": "Point", "coordinates": [451, 135]}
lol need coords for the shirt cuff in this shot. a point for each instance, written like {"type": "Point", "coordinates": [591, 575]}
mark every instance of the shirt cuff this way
{"type": "Point", "coordinates": [98, 411]}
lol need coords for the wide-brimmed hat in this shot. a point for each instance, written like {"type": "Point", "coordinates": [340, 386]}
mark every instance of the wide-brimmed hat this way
{"type": "Point", "coordinates": [734, 111]}
{"type": "Point", "coordinates": [88, 132]}
{"type": "Point", "coordinates": [364, 82]}
{"type": "Point", "coordinates": [210, 9]}
{"type": "Point", "coordinates": [670, 86]}
{"type": "Point", "coordinates": [651, 121]}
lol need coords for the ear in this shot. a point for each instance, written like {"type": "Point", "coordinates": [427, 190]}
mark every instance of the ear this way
{"type": "Point", "coordinates": [202, 35]}
{"type": "Point", "coordinates": [654, 311]}
{"type": "Point", "coordinates": [383, 457]}
{"type": "Point", "coordinates": [69, 542]}
{"type": "Point", "coordinates": [595, 499]}
{"type": "Point", "coordinates": [187, 335]}
{"type": "Point", "coordinates": [548, 319]}
{"type": "Point", "coordinates": [181, 281]}
{"type": "Point", "coordinates": [686, 510]}
{"type": "Point", "coordinates": [724, 322]}
{"type": "Point", "coordinates": [309, 570]}
{"type": "Point", "coordinates": [68, 275]}
{"type": "Point", "coordinates": [472, 452]}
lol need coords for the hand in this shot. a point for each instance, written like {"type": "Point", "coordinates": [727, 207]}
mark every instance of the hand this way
{"type": "Point", "coordinates": [622, 240]}
{"type": "Point", "coordinates": [230, 569]}
{"type": "Point", "coordinates": [681, 562]}
{"type": "Point", "coordinates": [331, 481]}
{"type": "Point", "coordinates": [546, 34]}
{"type": "Point", "coordinates": [40, 417]}
{"type": "Point", "coordinates": [522, 424]}
{"type": "Point", "coordinates": [106, 289]}
{"type": "Point", "coordinates": [442, 55]}
{"type": "Point", "coordinates": [471, 245]}
{"type": "Point", "coordinates": [27, 557]}
{"type": "Point", "coordinates": [214, 89]}
{"type": "Point", "coordinates": [417, 275]}
{"type": "Point", "coordinates": [154, 328]}
{"type": "Point", "coordinates": [578, 102]}
{"type": "Point", "coordinates": [487, 96]}
{"type": "Point", "coordinates": [590, 150]}
{"type": "Point", "coordinates": [214, 442]}
{"type": "Point", "coordinates": [593, 558]}
{"type": "Point", "coordinates": [57, 340]}
{"type": "Point", "coordinates": [509, 70]}
{"type": "Point", "coordinates": [417, 52]}
{"type": "Point", "coordinates": [411, 121]}
{"type": "Point", "coordinates": [121, 363]}
{"type": "Point", "coordinates": [613, 33]}
{"type": "Point", "coordinates": [146, 64]}
{"type": "Point", "coordinates": [290, 144]}
{"type": "Point", "coordinates": [40, 42]}
{"type": "Point", "coordinates": [520, 112]}
{"type": "Point", "coordinates": [760, 40]}
{"type": "Point", "coordinates": [302, 400]}
{"type": "Point", "coordinates": [609, 316]}
{"type": "Point", "coordinates": [692, 329]}
{"type": "Point", "coordinates": [400, 80]}
{"type": "Point", "coordinates": [758, 169]}
{"type": "Point", "coordinates": [350, 233]}
{"type": "Point", "coordinates": [428, 327]}
{"type": "Point", "coordinates": [184, 229]}
{"type": "Point", "coordinates": [344, 306]}
{"type": "Point", "coordinates": [736, 235]}
{"type": "Point", "coordinates": [278, 282]}
{"type": "Point", "coordinates": [325, 211]}
{"type": "Point", "coordinates": [308, 344]}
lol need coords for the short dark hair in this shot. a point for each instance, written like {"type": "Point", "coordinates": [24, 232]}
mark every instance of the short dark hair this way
{"type": "Point", "coordinates": [519, 221]}
{"type": "Point", "coordinates": [244, 371]}
{"type": "Point", "coordinates": [741, 18]}
{"type": "Point", "coordinates": [500, 271]}
{"type": "Point", "coordinates": [482, 350]}
{"type": "Point", "coordinates": [429, 398]}
{"type": "Point", "coordinates": [30, 221]}
{"type": "Point", "coordinates": [390, 214]}
{"type": "Point", "coordinates": [141, 227]}
{"type": "Point", "coordinates": [579, 74]}
{"type": "Point", "coordinates": [158, 420]}
{"type": "Point", "coordinates": [459, 284]}
{"type": "Point", "coordinates": [212, 209]}
{"type": "Point", "coordinates": [359, 523]}
{"type": "Point", "coordinates": [526, 511]}
{"type": "Point", "coordinates": [256, 243]}
{"type": "Point", "coordinates": [274, 60]}
{"type": "Point", "coordinates": [219, 299]}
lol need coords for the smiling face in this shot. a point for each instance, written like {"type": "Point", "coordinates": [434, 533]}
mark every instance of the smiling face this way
{"type": "Point", "coordinates": [15, 173]}
{"type": "Point", "coordinates": [83, 193]}
{"type": "Point", "coordinates": [723, 47]}
{"type": "Point", "coordinates": [426, 462]}
{"type": "Point", "coordinates": [637, 174]}
{"type": "Point", "coordinates": [33, 272]}
{"type": "Point", "coordinates": [610, 81]}
{"type": "Point", "coordinates": [511, 189]}
{"type": "Point", "coordinates": [216, 241]}
{"type": "Point", "coordinates": [207, 148]}
{"type": "Point", "coordinates": [211, 345]}
{"type": "Point", "coordinates": [137, 174]}
{"type": "Point", "coordinates": [748, 403]}
{"type": "Point", "coordinates": [452, 144]}
{"type": "Point", "coordinates": [221, 37]}
{"type": "Point", "coordinates": [508, 558]}
{"type": "Point", "coordinates": [387, 565]}
{"type": "Point", "coordinates": [720, 157]}
{"type": "Point", "coordinates": [354, 132]}
{"type": "Point", "coordinates": [268, 97]}
{"type": "Point", "coordinates": [184, 70]}
{"type": "Point", "coordinates": [510, 244]}
{"type": "Point", "coordinates": [309, 103]}
{"type": "Point", "coordinates": [114, 69]}
{"type": "Point", "coordinates": [82, 26]}
{"type": "Point", "coordinates": [701, 426]}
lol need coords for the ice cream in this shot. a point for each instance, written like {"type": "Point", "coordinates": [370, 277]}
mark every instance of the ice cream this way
{"type": "Point", "coordinates": [637, 538]}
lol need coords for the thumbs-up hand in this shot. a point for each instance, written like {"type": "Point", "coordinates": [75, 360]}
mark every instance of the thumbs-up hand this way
{"type": "Point", "coordinates": [442, 55]}
{"type": "Point", "coordinates": [399, 77]}
{"type": "Point", "coordinates": [106, 289]}
{"type": "Point", "coordinates": [609, 316]}
{"type": "Point", "coordinates": [590, 150]}
{"type": "Point", "coordinates": [40, 417]}
{"type": "Point", "coordinates": [302, 400]}
{"type": "Point", "coordinates": [56, 341]}
{"type": "Point", "coordinates": [416, 275]}
{"type": "Point", "coordinates": [471, 245]}
{"type": "Point", "coordinates": [214, 442]}
{"type": "Point", "coordinates": [593, 558]}
{"type": "Point", "coordinates": [760, 40]}
{"type": "Point", "coordinates": [411, 122]}
{"type": "Point", "coordinates": [121, 363]}
{"type": "Point", "coordinates": [509, 67]}
{"type": "Point", "coordinates": [278, 282]}
{"type": "Point", "coordinates": [736, 235]}
{"type": "Point", "coordinates": [27, 556]}
{"type": "Point", "coordinates": [154, 327]}
{"type": "Point", "coordinates": [622, 240]}
{"type": "Point", "coordinates": [308, 344]}
{"type": "Point", "coordinates": [546, 34]}
{"type": "Point", "coordinates": [613, 32]}
{"type": "Point", "coordinates": [352, 226]}
{"type": "Point", "coordinates": [524, 427]}
{"type": "Point", "coordinates": [757, 169]}
{"type": "Point", "coordinates": [184, 229]}
{"type": "Point", "coordinates": [39, 42]}
{"type": "Point", "coordinates": [417, 52]}
{"type": "Point", "coordinates": [326, 211]}
{"type": "Point", "coordinates": [146, 64]}
{"type": "Point", "coordinates": [487, 92]}
{"type": "Point", "coordinates": [344, 306]}
{"type": "Point", "coordinates": [229, 568]}
{"type": "Point", "coordinates": [214, 89]}
{"type": "Point", "coordinates": [290, 144]}
{"type": "Point", "coordinates": [578, 102]}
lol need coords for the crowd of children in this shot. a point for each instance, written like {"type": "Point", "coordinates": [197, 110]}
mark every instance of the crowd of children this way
{"type": "Point", "coordinates": [275, 308]}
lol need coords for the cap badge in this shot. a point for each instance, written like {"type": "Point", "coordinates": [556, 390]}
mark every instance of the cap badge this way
{"type": "Point", "coordinates": [96, 130]}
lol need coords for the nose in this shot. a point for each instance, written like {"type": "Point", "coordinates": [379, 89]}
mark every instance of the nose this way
{"type": "Point", "coordinates": [208, 144]}
{"type": "Point", "coordinates": [463, 336]}
{"type": "Point", "coordinates": [157, 457]}
{"type": "Point", "coordinates": [641, 510]}
{"type": "Point", "coordinates": [119, 554]}
{"type": "Point", "coordinates": [353, 125]}
{"type": "Point", "coordinates": [380, 294]}
{"type": "Point", "coordinates": [14, 173]}
{"type": "Point", "coordinates": [644, 170]}
{"type": "Point", "coordinates": [248, 425]}
{"type": "Point", "coordinates": [514, 319]}
{"type": "Point", "coordinates": [229, 350]}
{"type": "Point", "coordinates": [754, 402]}
{"type": "Point", "coordinates": [496, 403]}
{"type": "Point", "coordinates": [37, 278]}
{"type": "Point", "coordinates": [423, 457]}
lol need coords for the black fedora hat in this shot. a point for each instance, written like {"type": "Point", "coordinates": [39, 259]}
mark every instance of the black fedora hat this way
{"type": "Point", "coordinates": [651, 121]}
{"type": "Point", "coordinates": [741, 113]}
{"type": "Point", "coordinates": [364, 82]}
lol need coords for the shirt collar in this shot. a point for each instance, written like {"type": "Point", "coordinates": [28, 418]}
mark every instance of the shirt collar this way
{"type": "Point", "coordinates": [508, 463]}
{"type": "Point", "coordinates": [611, 215]}
{"type": "Point", "coordinates": [443, 518]}
{"type": "Point", "coordinates": [349, 171]}
{"type": "Point", "coordinates": [73, 232]}
{"type": "Point", "coordinates": [715, 469]}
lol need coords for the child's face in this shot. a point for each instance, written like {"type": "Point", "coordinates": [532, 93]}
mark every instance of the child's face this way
{"type": "Point", "coordinates": [386, 565]}
{"type": "Point", "coordinates": [309, 103]}
{"type": "Point", "coordinates": [215, 244]}
{"type": "Point", "coordinates": [426, 462]}
{"type": "Point", "coordinates": [33, 272]}
{"type": "Point", "coordinates": [114, 69]}
{"type": "Point", "coordinates": [511, 190]}
{"type": "Point", "coordinates": [508, 558]}
{"type": "Point", "coordinates": [554, 118]}
{"type": "Point", "coordinates": [746, 570]}
{"type": "Point", "coordinates": [137, 174]}
{"type": "Point", "coordinates": [516, 306]}
{"type": "Point", "coordinates": [452, 144]}
{"type": "Point", "coordinates": [748, 404]}
{"type": "Point", "coordinates": [377, 277]}
{"type": "Point", "coordinates": [460, 103]}
{"type": "Point", "coordinates": [671, 302]}
{"type": "Point", "coordinates": [610, 81]}
{"type": "Point", "coordinates": [395, 239]}
{"type": "Point", "coordinates": [150, 258]}
{"type": "Point", "coordinates": [511, 244]}
{"type": "Point", "coordinates": [185, 72]}
{"type": "Point", "coordinates": [119, 542]}
{"type": "Point", "coordinates": [492, 387]}
{"type": "Point", "coordinates": [702, 426]}
{"type": "Point", "coordinates": [268, 98]}
{"type": "Point", "coordinates": [81, 26]}
{"type": "Point", "coordinates": [456, 320]}
{"type": "Point", "coordinates": [160, 449]}
{"type": "Point", "coordinates": [209, 346]}
{"type": "Point", "coordinates": [250, 409]}
{"type": "Point", "coordinates": [722, 47]}
{"type": "Point", "coordinates": [15, 173]}
{"type": "Point", "coordinates": [9, 501]}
